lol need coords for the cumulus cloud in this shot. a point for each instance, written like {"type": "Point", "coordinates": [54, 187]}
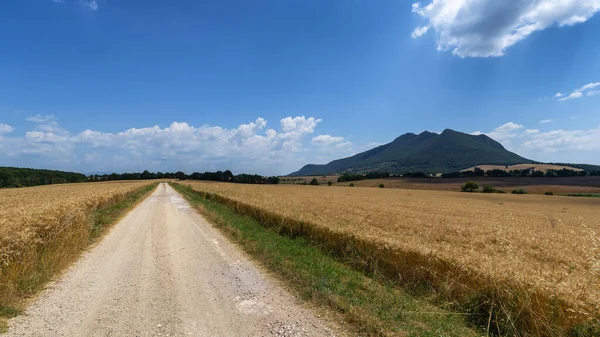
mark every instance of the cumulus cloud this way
{"type": "Point", "coordinates": [555, 145]}
{"type": "Point", "coordinates": [252, 147]}
{"type": "Point", "coordinates": [557, 140]}
{"type": "Point", "coordinates": [486, 28]}
{"type": "Point", "coordinates": [5, 128]}
{"type": "Point", "coordinates": [558, 94]}
{"type": "Point", "coordinates": [505, 132]}
{"type": "Point", "coordinates": [545, 121]}
{"type": "Point", "coordinates": [419, 31]}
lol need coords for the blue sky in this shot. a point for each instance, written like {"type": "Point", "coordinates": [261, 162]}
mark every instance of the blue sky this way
{"type": "Point", "coordinates": [268, 86]}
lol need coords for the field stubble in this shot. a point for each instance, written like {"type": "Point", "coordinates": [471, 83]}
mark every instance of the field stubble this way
{"type": "Point", "coordinates": [44, 228]}
{"type": "Point", "coordinates": [524, 265]}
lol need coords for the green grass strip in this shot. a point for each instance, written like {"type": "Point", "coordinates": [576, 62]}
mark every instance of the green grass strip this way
{"type": "Point", "coordinates": [371, 307]}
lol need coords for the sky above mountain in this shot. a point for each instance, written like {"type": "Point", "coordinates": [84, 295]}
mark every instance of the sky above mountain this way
{"type": "Point", "coordinates": [268, 86]}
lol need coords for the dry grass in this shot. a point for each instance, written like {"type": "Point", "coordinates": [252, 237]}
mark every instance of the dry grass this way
{"type": "Point", "coordinates": [525, 265]}
{"type": "Point", "coordinates": [44, 228]}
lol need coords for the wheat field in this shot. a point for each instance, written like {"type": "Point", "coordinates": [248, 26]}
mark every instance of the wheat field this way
{"type": "Point", "coordinates": [534, 260]}
{"type": "Point", "coordinates": [43, 228]}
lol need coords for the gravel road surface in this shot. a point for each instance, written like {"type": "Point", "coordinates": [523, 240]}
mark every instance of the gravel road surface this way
{"type": "Point", "coordinates": [164, 271]}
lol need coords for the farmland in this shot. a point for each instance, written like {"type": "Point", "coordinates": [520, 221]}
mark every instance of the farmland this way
{"type": "Point", "coordinates": [526, 264]}
{"type": "Point", "coordinates": [533, 185]}
{"type": "Point", "coordinates": [44, 228]}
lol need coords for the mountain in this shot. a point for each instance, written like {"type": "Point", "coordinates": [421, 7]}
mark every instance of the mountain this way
{"type": "Point", "coordinates": [426, 152]}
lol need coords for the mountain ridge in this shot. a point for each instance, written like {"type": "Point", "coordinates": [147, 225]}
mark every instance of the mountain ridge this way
{"type": "Point", "coordinates": [428, 152]}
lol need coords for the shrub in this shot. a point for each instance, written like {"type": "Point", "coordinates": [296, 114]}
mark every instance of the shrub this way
{"type": "Point", "coordinates": [314, 182]}
{"type": "Point", "coordinates": [488, 189]}
{"type": "Point", "coordinates": [519, 191]}
{"type": "Point", "coordinates": [381, 185]}
{"type": "Point", "coordinates": [329, 183]}
{"type": "Point", "coordinates": [549, 193]}
{"type": "Point", "coordinates": [470, 186]}
{"type": "Point", "coordinates": [351, 184]}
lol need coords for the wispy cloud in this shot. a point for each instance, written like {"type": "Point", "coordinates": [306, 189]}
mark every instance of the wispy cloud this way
{"type": "Point", "coordinates": [593, 92]}
{"type": "Point", "coordinates": [93, 5]}
{"type": "Point", "coordinates": [545, 121]}
{"type": "Point", "coordinates": [90, 4]}
{"type": "Point", "coordinates": [558, 94]}
{"type": "Point", "coordinates": [578, 93]}
{"type": "Point", "coordinates": [484, 28]}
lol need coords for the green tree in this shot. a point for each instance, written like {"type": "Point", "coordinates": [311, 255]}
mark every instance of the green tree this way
{"type": "Point", "coordinates": [314, 181]}
{"type": "Point", "coordinates": [469, 186]}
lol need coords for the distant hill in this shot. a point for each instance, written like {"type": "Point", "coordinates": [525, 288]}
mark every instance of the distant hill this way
{"type": "Point", "coordinates": [427, 152]}
{"type": "Point", "coordinates": [22, 177]}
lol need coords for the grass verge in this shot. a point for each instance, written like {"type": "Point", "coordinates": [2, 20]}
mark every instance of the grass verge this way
{"type": "Point", "coordinates": [372, 307]}
{"type": "Point", "coordinates": [59, 250]}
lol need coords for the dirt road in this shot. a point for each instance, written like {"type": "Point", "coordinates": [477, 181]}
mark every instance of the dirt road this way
{"type": "Point", "coordinates": [164, 271]}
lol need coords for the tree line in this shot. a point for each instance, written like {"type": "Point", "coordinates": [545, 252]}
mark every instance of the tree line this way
{"type": "Point", "coordinates": [24, 177]}
{"type": "Point", "coordinates": [224, 176]}
{"type": "Point", "coordinates": [354, 177]}
{"type": "Point", "coordinates": [530, 172]}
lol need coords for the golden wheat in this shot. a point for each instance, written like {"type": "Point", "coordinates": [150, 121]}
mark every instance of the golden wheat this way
{"type": "Point", "coordinates": [43, 228]}
{"type": "Point", "coordinates": [530, 255]}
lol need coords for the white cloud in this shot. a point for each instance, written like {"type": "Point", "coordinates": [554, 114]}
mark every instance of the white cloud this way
{"type": "Point", "coordinates": [562, 140]}
{"type": "Point", "coordinates": [326, 140]}
{"type": "Point", "coordinates": [505, 132]}
{"type": "Point", "coordinates": [576, 94]}
{"type": "Point", "coordinates": [419, 31]}
{"type": "Point", "coordinates": [250, 147]}
{"type": "Point", "coordinates": [40, 118]}
{"type": "Point", "coordinates": [589, 86]}
{"type": "Point", "coordinates": [556, 145]}
{"type": "Point", "coordinates": [593, 92]}
{"type": "Point", "coordinates": [91, 4]}
{"type": "Point", "coordinates": [545, 121]}
{"type": "Point", "coordinates": [484, 28]}
{"type": "Point", "coordinates": [558, 94]}
{"type": "Point", "coordinates": [47, 123]}
{"type": "Point", "coordinates": [5, 128]}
